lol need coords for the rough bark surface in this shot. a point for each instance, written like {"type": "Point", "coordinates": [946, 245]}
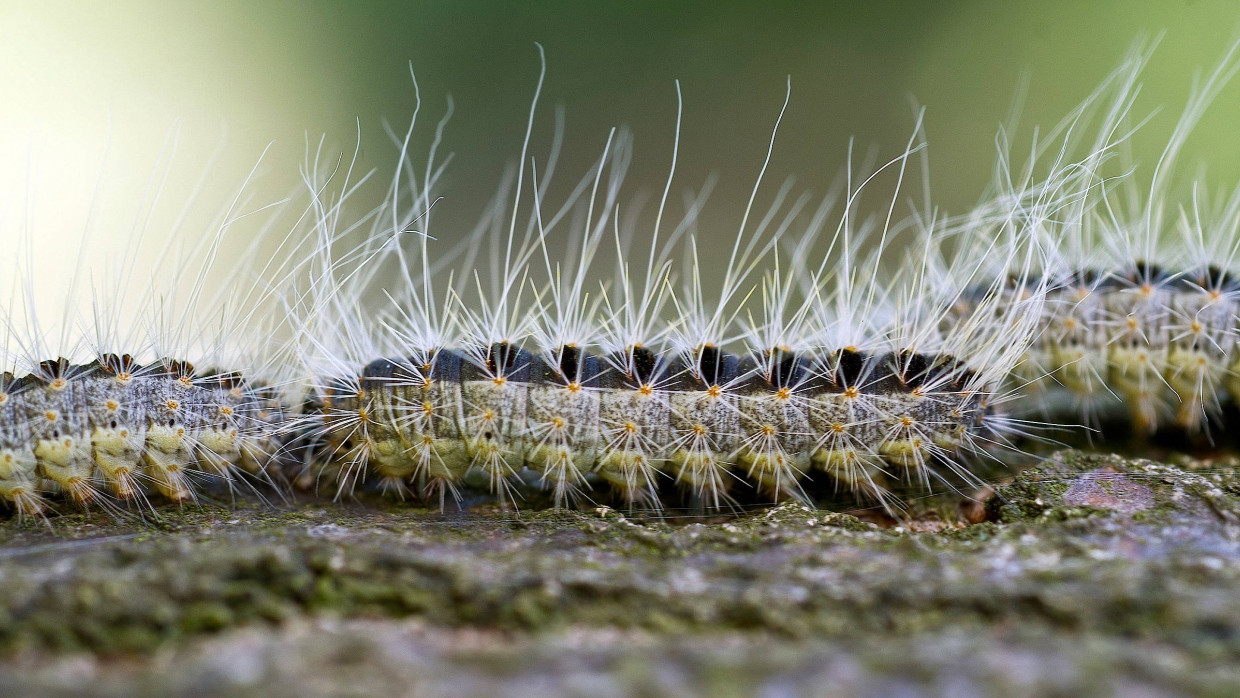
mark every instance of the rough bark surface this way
{"type": "Point", "coordinates": [1089, 573]}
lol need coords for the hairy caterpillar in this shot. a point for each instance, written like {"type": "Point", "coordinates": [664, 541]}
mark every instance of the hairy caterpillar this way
{"type": "Point", "coordinates": [813, 356]}
{"type": "Point", "coordinates": [1141, 308]}
{"type": "Point", "coordinates": [840, 366]}
{"type": "Point", "coordinates": [101, 403]}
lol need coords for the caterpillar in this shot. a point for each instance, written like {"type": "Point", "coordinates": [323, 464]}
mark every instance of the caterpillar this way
{"type": "Point", "coordinates": [101, 405]}
{"type": "Point", "coordinates": [1142, 305]}
{"type": "Point", "coordinates": [808, 354]}
{"type": "Point", "coordinates": [870, 376]}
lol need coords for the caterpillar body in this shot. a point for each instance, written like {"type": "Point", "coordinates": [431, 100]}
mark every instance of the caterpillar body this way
{"type": "Point", "coordinates": [118, 420]}
{"type": "Point", "coordinates": [69, 428]}
{"type": "Point", "coordinates": [858, 417]}
{"type": "Point", "coordinates": [1164, 343]}
{"type": "Point", "coordinates": [1141, 312]}
{"type": "Point", "coordinates": [856, 373]}
{"type": "Point", "coordinates": [811, 357]}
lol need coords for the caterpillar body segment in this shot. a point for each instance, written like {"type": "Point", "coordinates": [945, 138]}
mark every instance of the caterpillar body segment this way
{"type": "Point", "coordinates": [634, 421]}
{"type": "Point", "coordinates": [704, 423]}
{"type": "Point", "coordinates": [56, 412]}
{"type": "Point", "coordinates": [19, 471]}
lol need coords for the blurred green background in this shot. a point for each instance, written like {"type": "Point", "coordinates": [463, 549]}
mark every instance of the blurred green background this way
{"type": "Point", "coordinates": [76, 76]}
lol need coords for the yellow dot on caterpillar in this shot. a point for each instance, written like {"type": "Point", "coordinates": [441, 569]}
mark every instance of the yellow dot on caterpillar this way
{"type": "Point", "coordinates": [645, 389]}
{"type": "Point", "coordinates": [851, 393]}
{"type": "Point", "coordinates": [714, 391]}
{"type": "Point", "coordinates": [630, 427]}
{"type": "Point", "coordinates": [428, 408]}
{"type": "Point", "coordinates": [768, 430]}
{"type": "Point", "coordinates": [906, 421]}
{"type": "Point", "coordinates": [917, 443]}
{"type": "Point", "coordinates": [225, 410]}
{"type": "Point", "coordinates": [427, 382]}
{"type": "Point", "coordinates": [1069, 323]}
{"type": "Point", "coordinates": [500, 381]}
{"type": "Point", "coordinates": [112, 405]}
{"type": "Point", "coordinates": [58, 384]}
{"type": "Point", "coordinates": [783, 393]}
{"type": "Point", "coordinates": [1131, 322]}
{"type": "Point", "coordinates": [173, 405]}
{"type": "Point", "coordinates": [851, 349]}
{"type": "Point", "coordinates": [68, 443]}
{"type": "Point", "coordinates": [1196, 327]}
{"type": "Point", "coordinates": [919, 392]}
{"type": "Point", "coordinates": [699, 430]}
{"type": "Point", "coordinates": [180, 431]}
{"type": "Point", "coordinates": [264, 414]}
{"type": "Point", "coordinates": [838, 428]}
{"type": "Point", "coordinates": [185, 381]}
{"type": "Point", "coordinates": [1215, 294]}
{"type": "Point", "coordinates": [4, 397]}
{"type": "Point", "coordinates": [363, 415]}
{"type": "Point", "coordinates": [51, 416]}
{"type": "Point", "coordinates": [428, 440]}
{"type": "Point", "coordinates": [124, 377]}
{"type": "Point", "coordinates": [557, 422]}
{"type": "Point", "coordinates": [573, 387]}
{"type": "Point", "coordinates": [124, 433]}
{"type": "Point", "coordinates": [488, 415]}
{"type": "Point", "coordinates": [361, 393]}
